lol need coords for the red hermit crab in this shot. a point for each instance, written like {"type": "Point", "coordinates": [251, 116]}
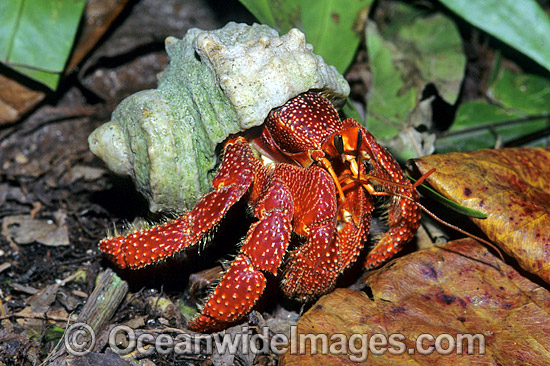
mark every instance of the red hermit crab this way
{"type": "Point", "coordinates": [320, 188]}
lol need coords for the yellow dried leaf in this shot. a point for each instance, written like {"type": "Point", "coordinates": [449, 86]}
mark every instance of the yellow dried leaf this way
{"type": "Point", "coordinates": [512, 186]}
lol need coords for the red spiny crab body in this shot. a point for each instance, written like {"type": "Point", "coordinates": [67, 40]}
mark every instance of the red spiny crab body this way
{"type": "Point", "coordinates": [321, 189]}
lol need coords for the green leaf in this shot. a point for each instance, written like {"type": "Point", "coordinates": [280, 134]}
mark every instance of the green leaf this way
{"type": "Point", "coordinates": [50, 79]}
{"type": "Point", "coordinates": [406, 53]}
{"type": "Point", "coordinates": [480, 125]}
{"type": "Point", "coordinates": [54, 333]}
{"type": "Point", "coordinates": [328, 24]}
{"type": "Point", "coordinates": [436, 196]}
{"type": "Point", "coordinates": [523, 92]}
{"type": "Point", "coordinates": [521, 24]}
{"type": "Point", "coordinates": [282, 14]}
{"type": "Point", "coordinates": [521, 107]}
{"type": "Point", "coordinates": [434, 46]}
{"type": "Point", "coordinates": [37, 36]}
{"type": "Point", "coordinates": [8, 23]}
{"type": "Point", "coordinates": [329, 27]}
{"type": "Point", "coordinates": [390, 102]}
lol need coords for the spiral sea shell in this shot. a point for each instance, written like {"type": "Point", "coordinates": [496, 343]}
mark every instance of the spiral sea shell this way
{"type": "Point", "coordinates": [218, 83]}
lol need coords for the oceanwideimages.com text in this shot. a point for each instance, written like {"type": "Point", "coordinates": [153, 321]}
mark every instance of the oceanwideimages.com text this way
{"type": "Point", "coordinates": [80, 339]}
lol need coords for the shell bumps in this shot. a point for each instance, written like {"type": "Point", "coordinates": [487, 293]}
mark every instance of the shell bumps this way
{"type": "Point", "coordinates": [218, 83]}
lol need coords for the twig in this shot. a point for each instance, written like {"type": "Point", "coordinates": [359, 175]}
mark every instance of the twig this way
{"type": "Point", "coordinates": [98, 310]}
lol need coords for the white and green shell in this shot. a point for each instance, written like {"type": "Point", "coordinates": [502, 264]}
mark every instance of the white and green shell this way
{"type": "Point", "coordinates": [218, 83]}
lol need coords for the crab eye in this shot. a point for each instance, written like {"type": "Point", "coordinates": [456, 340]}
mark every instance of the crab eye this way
{"type": "Point", "coordinates": [368, 165]}
{"type": "Point", "coordinates": [359, 140]}
{"type": "Point", "coordinates": [339, 143]}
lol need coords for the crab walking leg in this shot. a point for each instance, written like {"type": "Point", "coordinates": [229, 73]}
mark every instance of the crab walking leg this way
{"type": "Point", "coordinates": [152, 245]}
{"type": "Point", "coordinates": [263, 250]}
{"type": "Point", "coordinates": [404, 213]}
{"type": "Point", "coordinates": [313, 267]}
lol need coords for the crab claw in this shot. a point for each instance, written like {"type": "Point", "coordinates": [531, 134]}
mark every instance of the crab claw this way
{"type": "Point", "coordinates": [145, 247]}
{"type": "Point", "coordinates": [313, 268]}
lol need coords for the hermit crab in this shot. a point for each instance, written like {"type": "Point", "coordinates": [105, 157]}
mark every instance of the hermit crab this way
{"type": "Point", "coordinates": [318, 184]}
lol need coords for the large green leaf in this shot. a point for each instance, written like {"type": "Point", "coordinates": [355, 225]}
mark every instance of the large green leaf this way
{"type": "Point", "coordinates": [329, 27]}
{"type": "Point", "coordinates": [390, 101]}
{"type": "Point", "coordinates": [282, 14]}
{"type": "Point", "coordinates": [521, 24]}
{"type": "Point", "coordinates": [328, 24]}
{"type": "Point", "coordinates": [36, 36]}
{"type": "Point", "coordinates": [8, 22]}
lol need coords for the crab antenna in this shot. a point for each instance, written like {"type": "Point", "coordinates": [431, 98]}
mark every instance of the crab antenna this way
{"type": "Point", "coordinates": [415, 184]}
{"type": "Point", "coordinates": [365, 182]}
{"type": "Point", "coordinates": [423, 178]}
{"type": "Point", "coordinates": [359, 142]}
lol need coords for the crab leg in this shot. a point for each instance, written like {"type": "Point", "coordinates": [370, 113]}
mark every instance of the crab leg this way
{"type": "Point", "coordinates": [263, 250]}
{"type": "Point", "coordinates": [148, 246]}
{"type": "Point", "coordinates": [313, 266]}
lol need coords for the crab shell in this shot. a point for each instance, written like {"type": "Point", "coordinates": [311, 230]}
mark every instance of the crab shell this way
{"type": "Point", "coordinates": [218, 83]}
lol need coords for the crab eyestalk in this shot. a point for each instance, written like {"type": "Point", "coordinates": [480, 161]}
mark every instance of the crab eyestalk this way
{"type": "Point", "coordinates": [350, 150]}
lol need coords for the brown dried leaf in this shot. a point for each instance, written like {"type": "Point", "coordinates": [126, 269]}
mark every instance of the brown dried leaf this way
{"type": "Point", "coordinates": [23, 229]}
{"type": "Point", "coordinates": [512, 186]}
{"type": "Point", "coordinates": [455, 288]}
{"type": "Point", "coordinates": [16, 99]}
{"type": "Point", "coordinates": [98, 17]}
{"type": "Point", "coordinates": [43, 299]}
